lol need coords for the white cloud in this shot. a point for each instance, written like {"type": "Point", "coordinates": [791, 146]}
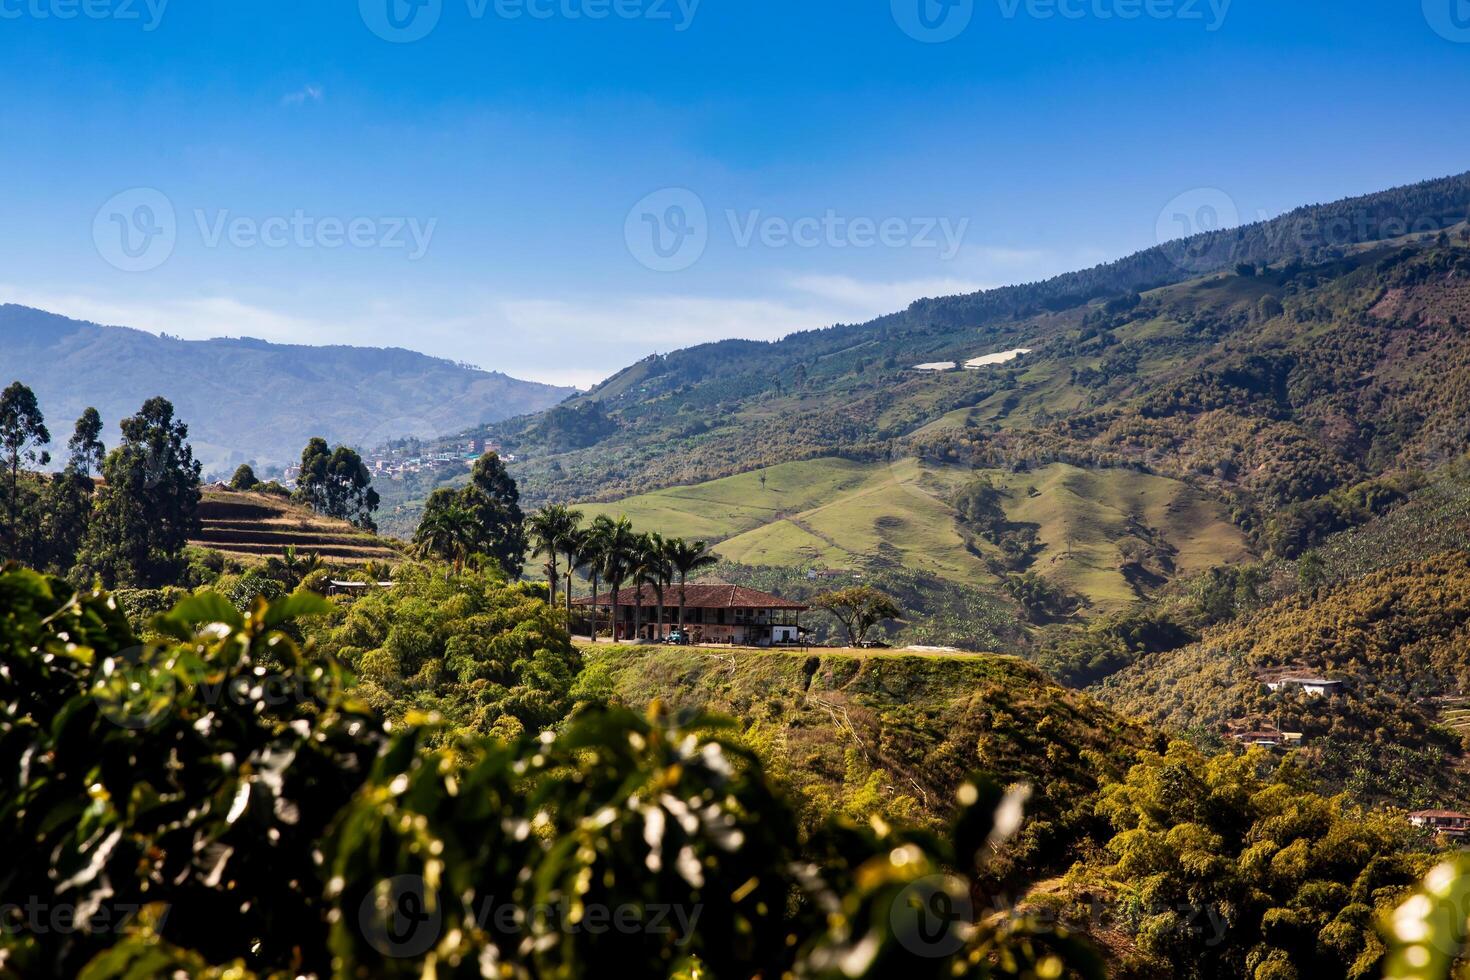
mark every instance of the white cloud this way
{"type": "Point", "coordinates": [576, 340]}
{"type": "Point", "coordinates": [309, 93]}
{"type": "Point", "coordinates": [864, 300]}
{"type": "Point", "coordinates": [194, 319]}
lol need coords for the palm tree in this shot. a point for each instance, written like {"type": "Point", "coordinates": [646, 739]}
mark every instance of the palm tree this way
{"type": "Point", "coordinates": [447, 533]}
{"type": "Point", "coordinates": [686, 558]}
{"type": "Point", "coordinates": [574, 549]}
{"type": "Point", "coordinates": [550, 526]}
{"type": "Point", "coordinates": [648, 559]}
{"type": "Point", "coordinates": [376, 571]}
{"type": "Point", "coordinates": [618, 551]}
{"type": "Point", "coordinates": [292, 569]}
{"type": "Point", "coordinates": [594, 548]}
{"type": "Point", "coordinates": [661, 573]}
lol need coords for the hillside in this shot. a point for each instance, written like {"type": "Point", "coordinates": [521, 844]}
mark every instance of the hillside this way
{"type": "Point", "coordinates": [1399, 641]}
{"type": "Point", "coordinates": [1140, 336]}
{"type": "Point", "coordinates": [895, 732]}
{"type": "Point", "coordinates": [1121, 429]}
{"type": "Point", "coordinates": [248, 399]}
{"type": "Point", "coordinates": [251, 527]}
{"type": "Point", "coordinates": [1093, 532]}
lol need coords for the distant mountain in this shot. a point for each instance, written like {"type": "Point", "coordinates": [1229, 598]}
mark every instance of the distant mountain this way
{"type": "Point", "coordinates": [250, 399]}
{"type": "Point", "coordinates": [1100, 339]}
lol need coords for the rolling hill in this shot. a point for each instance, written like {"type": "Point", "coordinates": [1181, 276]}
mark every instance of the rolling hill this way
{"type": "Point", "coordinates": [1172, 411]}
{"type": "Point", "coordinates": [247, 399]}
{"type": "Point", "coordinates": [1121, 341]}
{"type": "Point", "coordinates": [837, 514]}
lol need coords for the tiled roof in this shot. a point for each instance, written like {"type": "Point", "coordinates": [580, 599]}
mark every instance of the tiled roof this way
{"type": "Point", "coordinates": [701, 595]}
{"type": "Point", "coordinates": [1441, 815]}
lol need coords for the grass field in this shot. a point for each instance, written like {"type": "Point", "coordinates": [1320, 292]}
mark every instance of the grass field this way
{"type": "Point", "coordinates": [251, 527]}
{"type": "Point", "coordinates": [840, 513]}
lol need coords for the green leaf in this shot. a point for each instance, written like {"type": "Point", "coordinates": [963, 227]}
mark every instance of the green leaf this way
{"type": "Point", "coordinates": [203, 608]}
{"type": "Point", "coordinates": [294, 606]}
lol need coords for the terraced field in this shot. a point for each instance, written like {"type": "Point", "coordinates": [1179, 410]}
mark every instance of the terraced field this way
{"type": "Point", "coordinates": [839, 513]}
{"type": "Point", "coordinates": [251, 527]}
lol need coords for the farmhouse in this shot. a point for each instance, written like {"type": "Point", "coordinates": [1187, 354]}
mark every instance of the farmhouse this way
{"type": "Point", "coordinates": [1269, 740]}
{"type": "Point", "coordinates": [1316, 686]}
{"type": "Point", "coordinates": [714, 612]}
{"type": "Point", "coordinates": [1448, 822]}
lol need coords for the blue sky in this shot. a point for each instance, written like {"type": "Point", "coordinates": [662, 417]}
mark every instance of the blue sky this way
{"type": "Point", "coordinates": [490, 191]}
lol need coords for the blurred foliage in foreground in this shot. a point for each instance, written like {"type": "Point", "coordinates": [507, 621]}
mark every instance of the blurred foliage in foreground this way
{"type": "Point", "coordinates": [215, 802]}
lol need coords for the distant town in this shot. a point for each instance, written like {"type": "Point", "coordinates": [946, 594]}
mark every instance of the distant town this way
{"type": "Point", "coordinates": [402, 458]}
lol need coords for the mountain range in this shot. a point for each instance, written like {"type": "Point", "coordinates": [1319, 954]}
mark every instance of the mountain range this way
{"type": "Point", "coordinates": [1124, 430]}
{"type": "Point", "coordinates": [247, 399]}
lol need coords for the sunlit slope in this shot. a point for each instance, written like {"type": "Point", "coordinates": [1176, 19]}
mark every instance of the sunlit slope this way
{"type": "Point", "coordinates": [840, 513]}
{"type": "Point", "coordinates": [721, 509]}
{"type": "Point", "coordinates": [1085, 516]}
{"type": "Point", "coordinates": [899, 514]}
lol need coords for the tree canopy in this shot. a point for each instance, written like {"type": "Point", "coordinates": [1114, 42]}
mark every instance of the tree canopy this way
{"type": "Point", "coordinates": [336, 483]}
{"type": "Point", "coordinates": [148, 507]}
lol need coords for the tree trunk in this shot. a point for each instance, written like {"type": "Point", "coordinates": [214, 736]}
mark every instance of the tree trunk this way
{"type": "Point", "coordinates": [571, 570]}
{"type": "Point", "coordinates": [681, 602]}
{"type": "Point", "coordinates": [612, 625]}
{"type": "Point", "coordinates": [592, 629]}
{"type": "Point", "coordinates": [658, 590]}
{"type": "Point", "coordinates": [638, 611]}
{"type": "Point", "coordinates": [14, 543]}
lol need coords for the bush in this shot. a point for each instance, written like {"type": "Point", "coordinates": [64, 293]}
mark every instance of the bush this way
{"type": "Point", "coordinates": [220, 804]}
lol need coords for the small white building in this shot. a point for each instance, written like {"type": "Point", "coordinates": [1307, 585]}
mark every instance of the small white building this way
{"type": "Point", "coordinates": [1315, 686]}
{"type": "Point", "coordinates": [1451, 823]}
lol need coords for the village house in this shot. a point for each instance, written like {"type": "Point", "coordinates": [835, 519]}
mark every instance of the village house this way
{"type": "Point", "coordinates": [1268, 740]}
{"type": "Point", "coordinates": [714, 612]}
{"type": "Point", "coordinates": [1316, 686]}
{"type": "Point", "coordinates": [1451, 823]}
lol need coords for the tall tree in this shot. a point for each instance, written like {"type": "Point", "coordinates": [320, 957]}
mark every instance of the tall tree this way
{"type": "Point", "coordinates": [494, 499]}
{"type": "Point", "coordinates": [66, 510]}
{"type": "Point", "coordinates": [85, 449]}
{"type": "Point", "coordinates": [336, 483]}
{"type": "Point", "coordinates": [687, 558]}
{"type": "Point", "coordinates": [491, 500]}
{"type": "Point", "coordinates": [148, 507]}
{"type": "Point", "coordinates": [22, 434]}
{"type": "Point", "coordinates": [618, 552]}
{"type": "Point", "coordinates": [593, 554]}
{"type": "Point", "coordinates": [574, 549]}
{"type": "Point", "coordinates": [550, 529]}
{"type": "Point", "coordinates": [659, 571]}
{"type": "Point", "coordinates": [641, 570]}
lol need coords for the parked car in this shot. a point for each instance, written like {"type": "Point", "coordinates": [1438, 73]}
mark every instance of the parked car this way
{"type": "Point", "coordinates": [678, 638]}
